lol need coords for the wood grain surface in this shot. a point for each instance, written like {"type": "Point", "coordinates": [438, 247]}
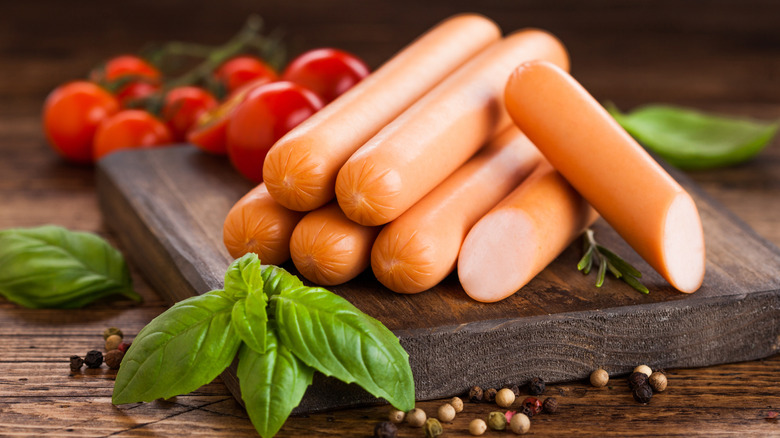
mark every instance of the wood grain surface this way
{"type": "Point", "coordinates": [714, 55]}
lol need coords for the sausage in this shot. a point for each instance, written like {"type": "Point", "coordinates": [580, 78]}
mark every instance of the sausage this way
{"type": "Point", "coordinates": [300, 169]}
{"type": "Point", "coordinates": [258, 224]}
{"type": "Point", "coordinates": [329, 249]}
{"type": "Point", "coordinates": [633, 193]}
{"type": "Point", "coordinates": [437, 134]}
{"type": "Point", "coordinates": [518, 238]}
{"type": "Point", "coordinates": [419, 249]}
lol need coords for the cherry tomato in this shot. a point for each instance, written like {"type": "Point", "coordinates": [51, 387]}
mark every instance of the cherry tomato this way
{"type": "Point", "coordinates": [115, 69]}
{"type": "Point", "coordinates": [243, 69]}
{"type": "Point", "coordinates": [183, 107]}
{"type": "Point", "coordinates": [266, 114]}
{"type": "Point", "coordinates": [209, 133]}
{"type": "Point", "coordinates": [71, 115]}
{"type": "Point", "coordinates": [134, 91]}
{"type": "Point", "coordinates": [130, 129]}
{"type": "Point", "coordinates": [327, 72]}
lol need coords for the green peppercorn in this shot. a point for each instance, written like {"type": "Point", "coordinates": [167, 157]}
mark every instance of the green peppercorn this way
{"type": "Point", "coordinates": [497, 420]}
{"type": "Point", "coordinates": [76, 362]}
{"type": "Point", "coordinates": [432, 428]}
{"type": "Point", "coordinates": [112, 331]}
{"type": "Point", "coordinates": [93, 359]}
{"type": "Point", "coordinates": [113, 358]}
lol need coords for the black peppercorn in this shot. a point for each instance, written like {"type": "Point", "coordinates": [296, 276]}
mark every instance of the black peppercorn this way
{"type": "Point", "coordinates": [637, 379]}
{"type": "Point", "coordinates": [643, 393]}
{"type": "Point", "coordinates": [114, 358]}
{"type": "Point", "coordinates": [513, 388]}
{"type": "Point", "coordinates": [475, 394]}
{"type": "Point", "coordinates": [75, 363]}
{"type": "Point", "coordinates": [385, 429]}
{"type": "Point", "coordinates": [536, 386]}
{"type": "Point", "coordinates": [550, 405]}
{"type": "Point", "coordinates": [93, 359]}
{"type": "Point", "coordinates": [489, 395]}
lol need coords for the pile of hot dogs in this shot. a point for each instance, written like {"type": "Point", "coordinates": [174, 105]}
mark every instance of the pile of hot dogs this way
{"type": "Point", "coordinates": [429, 172]}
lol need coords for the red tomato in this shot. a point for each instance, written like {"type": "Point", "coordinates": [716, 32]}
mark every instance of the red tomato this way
{"type": "Point", "coordinates": [130, 129]}
{"type": "Point", "coordinates": [242, 70]}
{"type": "Point", "coordinates": [266, 114]}
{"type": "Point", "coordinates": [129, 65]}
{"type": "Point", "coordinates": [72, 113]}
{"type": "Point", "coordinates": [134, 91]}
{"type": "Point", "coordinates": [327, 72]}
{"type": "Point", "coordinates": [183, 107]}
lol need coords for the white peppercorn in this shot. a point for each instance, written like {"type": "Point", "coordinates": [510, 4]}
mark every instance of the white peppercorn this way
{"type": "Point", "coordinates": [505, 398]}
{"type": "Point", "coordinates": [644, 369]}
{"type": "Point", "coordinates": [477, 427]}
{"type": "Point", "coordinates": [457, 403]}
{"type": "Point", "coordinates": [396, 416]}
{"type": "Point", "coordinates": [520, 423]}
{"type": "Point", "coordinates": [599, 378]}
{"type": "Point", "coordinates": [446, 413]}
{"type": "Point", "coordinates": [416, 417]}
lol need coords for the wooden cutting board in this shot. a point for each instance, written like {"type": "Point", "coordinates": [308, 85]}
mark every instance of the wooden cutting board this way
{"type": "Point", "coordinates": [167, 206]}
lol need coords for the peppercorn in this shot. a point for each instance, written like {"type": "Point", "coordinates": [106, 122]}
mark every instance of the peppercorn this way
{"type": "Point", "coordinates": [505, 398]}
{"type": "Point", "coordinates": [520, 423]}
{"type": "Point", "coordinates": [123, 346]}
{"type": "Point", "coordinates": [475, 394]}
{"type": "Point", "coordinates": [112, 342]}
{"type": "Point", "coordinates": [385, 429]}
{"type": "Point", "coordinates": [497, 420]}
{"type": "Point", "coordinates": [599, 378]}
{"type": "Point", "coordinates": [457, 403]}
{"type": "Point", "coordinates": [637, 379]}
{"type": "Point", "coordinates": [657, 381]}
{"type": "Point", "coordinates": [525, 410]}
{"type": "Point", "coordinates": [550, 405]}
{"type": "Point", "coordinates": [490, 395]}
{"type": "Point", "coordinates": [644, 369]}
{"type": "Point", "coordinates": [75, 363]}
{"type": "Point", "coordinates": [536, 386]}
{"type": "Point", "coordinates": [112, 331]}
{"type": "Point", "coordinates": [114, 358]}
{"type": "Point", "coordinates": [446, 413]}
{"type": "Point", "coordinates": [477, 427]}
{"type": "Point", "coordinates": [432, 428]}
{"type": "Point", "coordinates": [93, 359]}
{"type": "Point", "coordinates": [533, 404]}
{"type": "Point", "coordinates": [396, 416]}
{"type": "Point", "coordinates": [643, 393]}
{"type": "Point", "coordinates": [514, 388]}
{"type": "Point", "coordinates": [416, 417]}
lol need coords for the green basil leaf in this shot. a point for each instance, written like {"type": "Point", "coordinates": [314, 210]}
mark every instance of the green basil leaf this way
{"type": "Point", "coordinates": [51, 267]}
{"type": "Point", "coordinates": [693, 140]}
{"type": "Point", "coordinates": [250, 320]}
{"type": "Point", "coordinates": [181, 350]}
{"type": "Point", "coordinates": [244, 277]}
{"type": "Point", "coordinates": [331, 335]}
{"type": "Point", "coordinates": [272, 384]}
{"type": "Point", "coordinates": [277, 280]}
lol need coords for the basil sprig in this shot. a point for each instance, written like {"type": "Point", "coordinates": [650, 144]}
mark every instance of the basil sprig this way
{"type": "Point", "coordinates": [52, 267]}
{"type": "Point", "coordinates": [282, 331]}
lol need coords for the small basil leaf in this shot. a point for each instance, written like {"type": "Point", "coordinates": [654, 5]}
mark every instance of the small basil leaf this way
{"type": "Point", "coordinates": [272, 384]}
{"type": "Point", "coordinates": [277, 280]}
{"type": "Point", "coordinates": [331, 335]}
{"type": "Point", "coordinates": [694, 140]}
{"type": "Point", "coordinates": [179, 351]}
{"type": "Point", "coordinates": [250, 321]}
{"type": "Point", "coordinates": [244, 277]}
{"type": "Point", "coordinates": [51, 267]}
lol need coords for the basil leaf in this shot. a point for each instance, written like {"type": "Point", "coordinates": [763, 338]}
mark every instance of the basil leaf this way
{"type": "Point", "coordinates": [277, 280]}
{"type": "Point", "coordinates": [250, 321]}
{"type": "Point", "coordinates": [272, 384]}
{"type": "Point", "coordinates": [244, 276]}
{"type": "Point", "coordinates": [693, 140]}
{"type": "Point", "coordinates": [51, 267]}
{"type": "Point", "coordinates": [179, 351]}
{"type": "Point", "coordinates": [331, 335]}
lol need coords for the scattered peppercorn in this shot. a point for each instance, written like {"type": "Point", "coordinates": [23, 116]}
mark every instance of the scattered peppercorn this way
{"type": "Point", "coordinates": [490, 395]}
{"type": "Point", "coordinates": [432, 428]}
{"type": "Point", "coordinates": [658, 381]}
{"type": "Point", "coordinates": [446, 413]}
{"type": "Point", "coordinates": [93, 359]}
{"type": "Point", "coordinates": [514, 388]}
{"type": "Point", "coordinates": [520, 423]}
{"type": "Point", "coordinates": [637, 379]}
{"type": "Point", "coordinates": [396, 416]}
{"type": "Point", "coordinates": [497, 420]}
{"type": "Point", "coordinates": [536, 386]}
{"type": "Point", "coordinates": [644, 369]}
{"type": "Point", "coordinates": [477, 427]}
{"type": "Point", "coordinates": [525, 410]}
{"type": "Point", "coordinates": [112, 342]}
{"type": "Point", "coordinates": [550, 405]}
{"type": "Point", "coordinates": [112, 331]}
{"type": "Point", "coordinates": [505, 398]}
{"type": "Point", "coordinates": [599, 378]}
{"type": "Point", "coordinates": [123, 346]}
{"type": "Point", "coordinates": [533, 404]}
{"type": "Point", "coordinates": [475, 394]}
{"type": "Point", "coordinates": [385, 429]}
{"type": "Point", "coordinates": [416, 417]}
{"type": "Point", "coordinates": [76, 363]}
{"type": "Point", "coordinates": [457, 403]}
{"type": "Point", "coordinates": [643, 393]}
{"type": "Point", "coordinates": [113, 359]}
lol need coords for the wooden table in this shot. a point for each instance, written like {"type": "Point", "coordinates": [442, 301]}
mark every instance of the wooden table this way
{"type": "Point", "coordinates": [722, 56]}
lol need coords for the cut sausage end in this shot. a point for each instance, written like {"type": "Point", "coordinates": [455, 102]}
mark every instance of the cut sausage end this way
{"type": "Point", "coordinates": [683, 245]}
{"type": "Point", "coordinates": [363, 192]}
{"type": "Point", "coordinates": [404, 264]}
{"type": "Point", "coordinates": [497, 257]}
{"type": "Point", "coordinates": [297, 179]}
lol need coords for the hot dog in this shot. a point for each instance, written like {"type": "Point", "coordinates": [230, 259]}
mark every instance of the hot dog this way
{"type": "Point", "coordinates": [257, 224]}
{"type": "Point", "coordinates": [633, 193]}
{"type": "Point", "coordinates": [300, 169]}
{"type": "Point", "coordinates": [329, 249]}
{"type": "Point", "coordinates": [521, 235]}
{"type": "Point", "coordinates": [416, 251]}
{"type": "Point", "coordinates": [437, 134]}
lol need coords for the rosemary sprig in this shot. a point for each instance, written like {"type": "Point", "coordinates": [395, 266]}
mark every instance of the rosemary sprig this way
{"type": "Point", "coordinates": [607, 260]}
